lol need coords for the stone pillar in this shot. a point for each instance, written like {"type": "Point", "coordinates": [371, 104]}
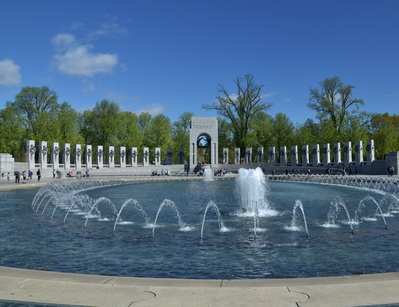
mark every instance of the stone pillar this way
{"type": "Point", "coordinates": [55, 155]}
{"type": "Point", "coordinates": [111, 156]}
{"type": "Point", "coordinates": [66, 156]}
{"type": "Point", "coordinates": [78, 156]}
{"type": "Point", "coordinates": [225, 156]}
{"type": "Point", "coordinates": [146, 156]}
{"type": "Point", "coordinates": [294, 155]}
{"type": "Point", "coordinates": [122, 156]}
{"type": "Point", "coordinates": [248, 155]}
{"type": "Point", "coordinates": [283, 155]}
{"type": "Point", "coordinates": [100, 156]}
{"type": "Point", "coordinates": [7, 166]}
{"type": "Point", "coordinates": [305, 155]}
{"type": "Point", "coordinates": [272, 155]}
{"type": "Point", "coordinates": [30, 154]}
{"type": "Point", "coordinates": [180, 155]}
{"type": "Point", "coordinates": [359, 152]}
{"type": "Point", "coordinates": [158, 156]}
{"type": "Point", "coordinates": [88, 157]}
{"type": "Point", "coordinates": [392, 159]}
{"type": "Point", "coordinates": [134, 156]}
{"type": "Point", "coordinates": [326, 155]}
{"type": "Point", "coordinates": [316, 154]}
{"type": "Point", "coordinates": [370, 152]}
{"type": "Point", "coordinates": [169, 156]}
{"type": "Point", "coordinates": [261, 155]}
{"type": "Point", "coordinates": [237, 155]}
{"type": "Point", "coordinates": [347, 153]}
{"type": "Point", "coordinates": [43, 150]}
{"type": "Point", "coordinates": [337, 154]}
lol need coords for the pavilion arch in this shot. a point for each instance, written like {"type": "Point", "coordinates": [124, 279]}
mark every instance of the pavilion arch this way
{"type": "Point", "coordinates": [204, 141]}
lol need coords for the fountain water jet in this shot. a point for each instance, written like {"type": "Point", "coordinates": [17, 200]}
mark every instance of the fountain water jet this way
{"type": "Point", "coordinates": [136, 205]}
{"type": "Point", "coordinates": [211, 204]}
{"type": "Point", "coordinates": [171, 204]}
{"type": "Point", "coordinates": [98, 201]}
{"type": "Point", "coordinates": [298, 204]}
{"type": "Point", "coordinates": [252, 190]}
{"type": "Point", "coordinates": [363, 205]}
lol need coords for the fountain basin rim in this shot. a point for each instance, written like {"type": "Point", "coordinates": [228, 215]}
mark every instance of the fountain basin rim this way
{"type": "Point", "coordinates": [10, 272]}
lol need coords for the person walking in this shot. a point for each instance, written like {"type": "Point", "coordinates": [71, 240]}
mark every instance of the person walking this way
{"type": "Point", "coordinates": [38, 173]}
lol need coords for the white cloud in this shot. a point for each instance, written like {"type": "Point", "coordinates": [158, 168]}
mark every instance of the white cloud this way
{"type": "Point", "coordinates": [9, 73]}
{"type": "Point", "coordinates": [153, 109]}
{"type": "Point", "coordinates": [76, 59]}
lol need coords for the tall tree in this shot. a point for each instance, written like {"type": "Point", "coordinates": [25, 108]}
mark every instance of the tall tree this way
{"type": "Point", "coordinates": [102, 123]}
{"type": "Point", "coordinates": [159, 132]}
{"type": "Point", "coordinates": [38, 107]}
{"type": "Point", "coordinates": [334, 101]}
{"type": "Point", "coordinates": [12, 133]}
{"type": "Point", "coordinates": [384, 131]}
{"type": "Point", "coordinates": [181, 133]}
{"type": "Point", "coordinates": [68, 125]}
{"type": "Point", "coordinates": [130, 134]}
{"type": "Point", "coordinates": [240, 108]}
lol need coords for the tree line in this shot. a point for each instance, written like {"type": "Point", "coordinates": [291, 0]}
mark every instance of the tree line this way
{"type": "Point", "coordinates": [36, 114]}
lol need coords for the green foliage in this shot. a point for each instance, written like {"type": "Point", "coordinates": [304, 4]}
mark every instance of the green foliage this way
{"type": "Point", "coordinates": [181, 134]}
{"type": "Point", "coordinates": [384, 129]}
{"type": "Point", "coordinates": [12, 132]}
{"type": "Point", "coordinates": [36, 114]}
{"type": "Point", "coordinates": [102, 123]}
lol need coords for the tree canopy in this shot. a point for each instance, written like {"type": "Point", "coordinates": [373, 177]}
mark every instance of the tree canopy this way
{"type": "Point", "coordinates": [334, 101]}
{"type": "Point", "coordinates": [241, 107]}
{"type": "Point", "coordinates": [244, 122]}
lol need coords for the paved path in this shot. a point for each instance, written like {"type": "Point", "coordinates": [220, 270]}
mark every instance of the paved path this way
{"type": "Point", "coordinates": [92, 290]}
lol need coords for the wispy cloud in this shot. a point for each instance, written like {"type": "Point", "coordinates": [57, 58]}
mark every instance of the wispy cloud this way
{"type": "Point", "coordinates": [9, 73]}
{"type": "Point", "coordinates": [393, 94]}
{"type": "Point", "coordinates": [107, 29]}
{"type": "Point", "coordinates": [153, 109]}
{"type": "Point", "coordinates": [76, 59]}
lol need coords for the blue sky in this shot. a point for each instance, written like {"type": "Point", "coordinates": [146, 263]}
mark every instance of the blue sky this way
{"type": "Point", "coordinates": [169, 56]}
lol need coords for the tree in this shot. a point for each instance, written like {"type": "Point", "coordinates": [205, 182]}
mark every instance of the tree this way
{"type": "Point", "coordinates": [333, 101]}
{"type": "Point", "coordinates": [12, 133]}
{"type": "Point", "coordinates": [38, 106]}
{"type": "Point", "coordinates": [384, 131]}
{"type": "Point", "coordinates": [181, 133]}
{"type": "Point", "coordinates": [240, 108]}
{"type": "Point", "coordinates": [283, 131]}
{"type": "Point", "coordinates": [308, 133]}
{"type": "Point", "coordinates": [130, 134]}
{"type": "Point", "coordinates": [102, 123]}
{"type": "Point", "coordinates": [68, 125]}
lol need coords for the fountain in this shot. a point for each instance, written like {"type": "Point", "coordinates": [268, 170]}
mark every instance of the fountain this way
{"type": "Point", "coordinates": [224, 229]}
{"type": "Point", "coordinates": [208, 174]}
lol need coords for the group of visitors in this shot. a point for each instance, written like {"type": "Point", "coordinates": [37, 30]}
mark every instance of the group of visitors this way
{"type": "Point", "coordinates": [164, 172]}
{"type": "Point", "coordinates": [21, 176]}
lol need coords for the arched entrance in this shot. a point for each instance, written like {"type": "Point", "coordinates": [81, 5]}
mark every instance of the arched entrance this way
{"type": "Point", "coordinates": [204, 149]}
{"type": "Point", "coordinates": [204, 141]}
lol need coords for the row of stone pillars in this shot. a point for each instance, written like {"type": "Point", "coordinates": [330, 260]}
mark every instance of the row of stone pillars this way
{"type": "Point", "coordinates": [66, 152]}
{"type": "Point", "coordinates": [316, 153]}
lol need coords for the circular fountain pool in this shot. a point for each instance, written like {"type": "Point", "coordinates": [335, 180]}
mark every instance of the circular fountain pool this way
{"type": "Point", "coordinates": [345, 232]}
